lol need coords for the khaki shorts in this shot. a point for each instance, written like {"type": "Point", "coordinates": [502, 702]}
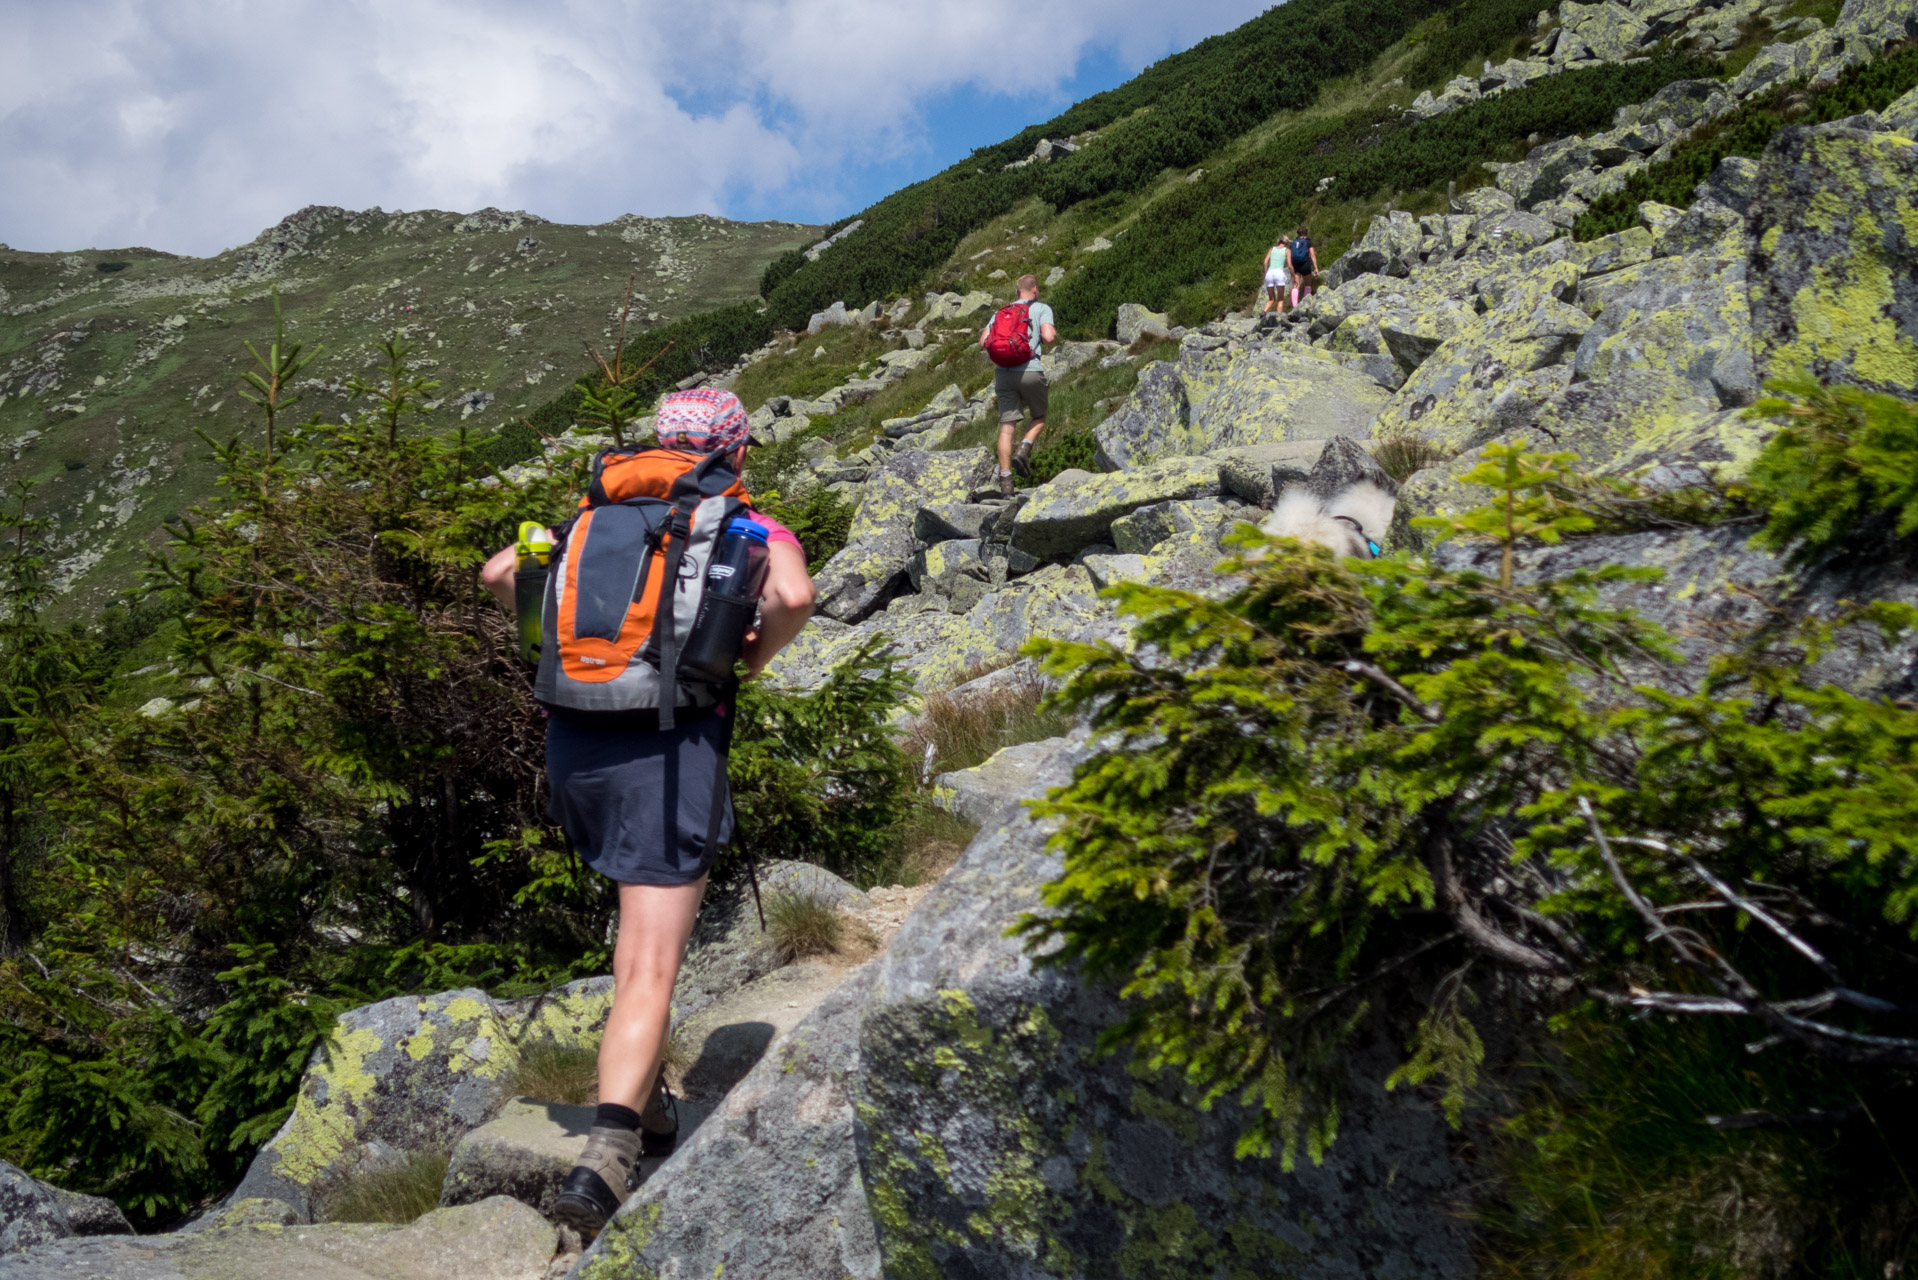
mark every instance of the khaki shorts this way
{"type": "Point", "coordinates": [1019, 390]}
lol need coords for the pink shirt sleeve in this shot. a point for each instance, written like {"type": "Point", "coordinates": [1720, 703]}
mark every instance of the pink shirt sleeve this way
{"type": "Point", "coordinates": [777, 532]}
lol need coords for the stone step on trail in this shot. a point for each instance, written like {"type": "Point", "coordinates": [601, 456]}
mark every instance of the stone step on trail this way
{"type": "Point", "coordinates": [495, 1239]}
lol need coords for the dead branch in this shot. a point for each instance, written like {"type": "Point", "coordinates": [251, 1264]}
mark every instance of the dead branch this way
{"type": "Point", "coordinates": [1737, 994]}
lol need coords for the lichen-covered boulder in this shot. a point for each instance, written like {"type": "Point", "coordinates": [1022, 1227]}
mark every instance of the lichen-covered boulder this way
{"type": "Point", "coordinates": [1492, 376]}
{"type": "Point", "coordinates": [1059, 519]}
{"type": "Point", "coordinates": [1141, 531]}
{"type": "Point", "coordinates": [1389, 247]}
{"type": "Point", "coordinates": [1687, 315]}
{"type": "Point", "coordinates": [1270, 394]}
{"type": "Point", "coordinates": [937, 646]}
{"type": "Point", "coordinates": [1135, 322]}
{"type": "Point", "coordinates": [944, 1114]}
{"type": "Point", "coordinates": [940, 521]}
{"type": "Point", "coordinates": [1715, 585]}
{"type": "Point", "coordinates": [1256, 473]}
{"type": "Point", "coordinates": [409, 1073]}
{"type": "Point", "coordinates": [1877, 23]}
{"type": "Point", "coordinates": [1614, 252]}
{"type": "Point", "coordinates": [1155, 411]}
{"type": "Point", "coordinates": [1902, 115]}
{"type": "Point", "coordinates": [1357, 335]}
{"type": "Point", "coordinates": [880, 544]}
{"type": "Point", "coordinates": [1608, 32]}
{"type": "Point", "coordinates": [32, 1212]}
{"type": "Point", "coordinates": [956, 570]}
{"type": "Point", "coordinates": [1773, 63]}
{"type": "Point", "coordinates": [1835, 272]}
{"type": "Point", "coordinates": [977, 793]}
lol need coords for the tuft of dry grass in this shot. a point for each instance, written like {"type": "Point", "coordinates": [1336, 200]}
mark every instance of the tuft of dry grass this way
{"type": "Point", "coordinates": [554, 1072]}
{"type": "Point", "coordinates": [960, 730]}
{"type": "Point", "coordinates": [1403, 456]}
{"type": "Point", "coordinates": [931, 842]}
{"type": "Point", "coordinates": [396, 1191]}
{"type": "Point", "coordinates": [801, 925]}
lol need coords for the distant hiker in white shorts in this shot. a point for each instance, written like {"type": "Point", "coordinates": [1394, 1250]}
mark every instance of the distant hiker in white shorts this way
{"type": "Point", "coordinates": [1277, 276]}
{"type": "Point", "coordinates": [1014, 341]}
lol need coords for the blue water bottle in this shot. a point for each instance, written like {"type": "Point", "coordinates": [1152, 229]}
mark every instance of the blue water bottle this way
{"type": "Point", "coordinates": [734, 578]}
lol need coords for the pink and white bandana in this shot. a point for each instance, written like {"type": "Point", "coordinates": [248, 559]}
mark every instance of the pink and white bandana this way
{"type": "Point", "coordinates": [703, 420]}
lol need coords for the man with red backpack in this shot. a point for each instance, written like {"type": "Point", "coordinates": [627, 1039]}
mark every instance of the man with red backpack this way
{"type": "Point", "coordinates": [1013, 342]}
{"type": "Point", "coordinates": [662, 579]}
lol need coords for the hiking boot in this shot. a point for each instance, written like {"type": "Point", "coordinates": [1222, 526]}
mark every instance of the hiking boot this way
{"type": "Point", "coordinates": [599, 1182]}
{"type": "Point", "coordinates": [1022, 459]}
{"type": "Point", "coordinates": [1006, 487]}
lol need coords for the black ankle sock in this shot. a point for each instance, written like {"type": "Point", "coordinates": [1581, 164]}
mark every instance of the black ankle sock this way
{"type": "Point", "coordinates": [614, 1116]}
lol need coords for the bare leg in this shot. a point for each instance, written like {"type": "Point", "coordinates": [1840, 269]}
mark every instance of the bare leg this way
{"type": "Point", "coordinates": [1006, 428]}
{"type": "Point", "coordinates": [654, 923]}
{"type": "Point", "coordinates": [1032, 433]}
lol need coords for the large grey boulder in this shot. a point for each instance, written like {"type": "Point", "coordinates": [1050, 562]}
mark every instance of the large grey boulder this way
{"type": "Point", "coordinates": [1059, 519]}
{"type": "Point", "coordinates": [1389, 247]}
{"type": "Point", "coordinates": [410, 1073]}
{"type": "Point", "coordinates": [939, 646]}
{"type": "Point", "coordinates": [34, 1212]}
{"type": "Point", "coordinates": [1715, 584]}
{"type": "Point", "coordinates": [1258, 473]}
{"type": "Point", "coordinates": [1835, 264]}
{"type": "Point", "coordinates": [976, 794]}
{"type": "Point", "coordinates": [880, 544]}
{"type": "Point", "coordinates": [1685, 315]}
{"type": "Point", "coordinates": [943, 1114]}
{"type": "Point", "coordinates": [1226, 398]}
{"type": "Point", "coordinates": [1155, 411]}
{"type": "Point", "coordinates": [495, 1239]}
{"type": "Point", "coordinates": [1135, 322]}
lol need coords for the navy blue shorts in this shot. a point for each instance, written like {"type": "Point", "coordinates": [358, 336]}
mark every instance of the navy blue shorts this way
{"type": "Point", "coordinates": [637, 803]}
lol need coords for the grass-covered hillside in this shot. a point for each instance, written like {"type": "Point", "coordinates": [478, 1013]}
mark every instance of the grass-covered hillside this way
{"type": "Point", "coordinates": [112, 360]}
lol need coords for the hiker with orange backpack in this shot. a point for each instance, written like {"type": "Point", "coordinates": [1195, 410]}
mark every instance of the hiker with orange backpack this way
{"type": "Point", "coordinates": [1013, 341]}
{"type": "Point", "coordinates": [662, 579]}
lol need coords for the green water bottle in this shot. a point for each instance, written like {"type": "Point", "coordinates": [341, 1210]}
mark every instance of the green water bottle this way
{"type": "Point", "coordinates": [534, 549]}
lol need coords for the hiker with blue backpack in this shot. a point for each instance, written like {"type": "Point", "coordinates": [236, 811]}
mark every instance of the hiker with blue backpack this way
{"type": "Point", "coordinates": [1013, 342]}
{"type": "Point", "coordinates": [663, 579]}
{"type": "Point", "coordinates": [1305, 266]}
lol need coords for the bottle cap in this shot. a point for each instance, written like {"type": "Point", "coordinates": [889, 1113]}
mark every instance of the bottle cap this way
{"type": "Point", "coordinates": [751, 528]}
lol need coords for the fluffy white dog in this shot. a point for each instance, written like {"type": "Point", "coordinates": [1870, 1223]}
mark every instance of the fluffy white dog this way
{"type": "Point", "coordinates": [1345, 504]}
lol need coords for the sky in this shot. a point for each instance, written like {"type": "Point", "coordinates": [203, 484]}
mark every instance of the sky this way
{"type": "Point", "coordinates": [192, 125]}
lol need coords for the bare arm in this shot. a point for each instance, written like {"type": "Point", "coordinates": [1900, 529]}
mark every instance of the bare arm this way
{"type": "Point", "coordinates": [983, 335]}
{"type": "Point", "coordinates": [1048, 334]}
{"type": "Point", "coordinates": [784, 605]}
{"type": "Point", "coordinates": [497, 577]}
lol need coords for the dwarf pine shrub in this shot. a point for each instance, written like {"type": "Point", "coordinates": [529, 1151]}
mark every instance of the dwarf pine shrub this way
{"type": "Point", "coordinates": [1338, 802]}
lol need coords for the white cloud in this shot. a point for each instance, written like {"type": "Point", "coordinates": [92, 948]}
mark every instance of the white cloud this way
{"type": "Point", "coordinates": [189, 125]}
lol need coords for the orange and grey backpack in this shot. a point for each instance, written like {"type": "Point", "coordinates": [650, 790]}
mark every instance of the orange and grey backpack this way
{"type": "Point", "coordinates": [626, 582]}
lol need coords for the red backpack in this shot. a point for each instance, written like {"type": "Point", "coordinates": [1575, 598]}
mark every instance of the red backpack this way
{"type": "Point", "coordinates": [1009, 341]}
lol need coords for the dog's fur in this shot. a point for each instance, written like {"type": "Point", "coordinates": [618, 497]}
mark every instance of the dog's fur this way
{"type": "Point", "coordinates": [1303, 514]}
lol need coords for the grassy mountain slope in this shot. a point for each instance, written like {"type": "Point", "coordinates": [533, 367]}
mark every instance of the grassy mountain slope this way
{"type": "Point", "coordinates": [110, 360]}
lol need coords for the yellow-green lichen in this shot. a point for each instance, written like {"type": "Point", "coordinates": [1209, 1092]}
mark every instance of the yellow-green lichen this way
{"type": "Point", "coordinates": [321, 1132]}
{"type": "Point", "coordinates": [619, 1247]}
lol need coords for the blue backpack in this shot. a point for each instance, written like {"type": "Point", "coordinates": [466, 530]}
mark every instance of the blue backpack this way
{"type": "Point", "coordinates": [1302, 255]}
